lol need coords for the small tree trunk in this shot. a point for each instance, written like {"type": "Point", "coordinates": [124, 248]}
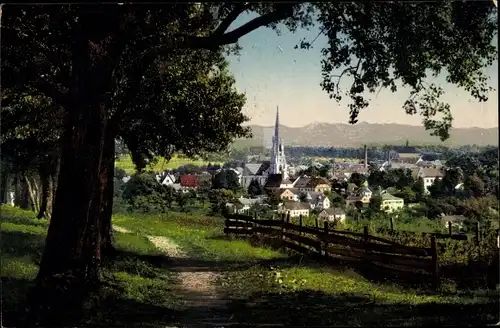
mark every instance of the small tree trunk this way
{"type": "Point", "coordinates": [3, 187]}
{"type": "Point", "coordinates": [33, 191]}
{"type": "Point", "coordinates": [45, 182]}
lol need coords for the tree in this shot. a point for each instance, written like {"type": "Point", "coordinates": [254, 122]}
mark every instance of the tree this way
{"type": "Point", "coordinates": [474, 186]}
{"type": "Point", "coordinates": [375, 203]}
{"type": "Point", "coordinates": [232, 181]}
{"type": "Point", "coordinates": [436, 189]}
{"type": "Point", "coordinates": [409, 196]}
{"type": "Point", "coordinates": [81, 67]}
{"type": "Point", "coordinates": [451, 179]}
{"type": "Point", "coordinates": [357, 178]}
{"type": "Point", "coordinates": [220, 180]}
{"type": "Point", "coordinates": [182, 199]}
{"type": "Point", "coordinates": [419, 188]}
{"type": "Point", "coordinates": [254, 188]}
{"type": "Point", "coordinates": [303, 197]}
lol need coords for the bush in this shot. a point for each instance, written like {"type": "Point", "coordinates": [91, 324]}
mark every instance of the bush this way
{"type": "Point", "coordinates": [143, 193]}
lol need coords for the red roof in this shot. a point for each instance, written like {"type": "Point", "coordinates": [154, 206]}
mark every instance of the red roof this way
{"type": "Point", "coordinates": [189, 180]}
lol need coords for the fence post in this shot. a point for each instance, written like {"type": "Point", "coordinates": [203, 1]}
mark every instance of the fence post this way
{"type": "Point", "coordinates": [449, 228]}
{"type": "Point", "coordinates": [392, 224]}
{"type": "Point", "coordinates": [282, 226]}
{"type": "Point", "coordinates": [325, 228]}
{"type": "Point", "coordinates": [317, 222]}
{"type": "Point", "coordinates": [254, 224]}
{"type": "Point", "coordinates": [300, 225]}
{"type": "Point", "coordinates": [435, 272]}
{"type": "Point", "coordinates": [365, 240]}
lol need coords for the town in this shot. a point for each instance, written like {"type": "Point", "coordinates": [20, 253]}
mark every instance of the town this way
{"type": "Point", "coordinates": [249, 164]}
{"type": "Point", "coordinates": [411, 188]}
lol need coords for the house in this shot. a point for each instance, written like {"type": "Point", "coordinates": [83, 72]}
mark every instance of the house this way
{"type": "Point", "coordinates": [204, 179]}
{"type": "Point", "coordinates": [457, 221]}
{"type": "Point", "coordinates": [168, 180]}
{"type": "Point", "coordinates": [352, 200]}
{"type": "Point", "coordinates": [317, 200]}
{"type": "Point", "coordinates": [289, 194]}
{"type": "Point", "coordinates": [294, 208]}
{"type": "Point", "coordinates": [428, 175]}
{"type": "Point", "coordinates": [390, 203]}
{"type": "Point", "coordinates": [276, 182]}
{"type": "Point", "coordinates": [256, 172]}
{"type": "Point", "coordinates": [332, 214]}
{"type": "Point", "coordinates": [364, 192]}
{"type": "Point", "coordinates": [319, 185]}
{"type": "Point", "coordinates": [243, 205]}
{"type": "Point", "coordinates": [301, 183]}
{"type": "Point", "coordinates": [189, 182]}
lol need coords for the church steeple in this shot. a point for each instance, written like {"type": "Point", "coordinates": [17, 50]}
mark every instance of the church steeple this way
{"type": "Point", "coordinates": [278, 161]}
{"type": "Point", "coordinates": [277, 124]}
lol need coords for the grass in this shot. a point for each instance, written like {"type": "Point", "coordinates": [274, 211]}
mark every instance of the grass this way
{"type": "Point", "coordinates": [264, 285]}
{"type": "Point", "coordinates": [125, 163]}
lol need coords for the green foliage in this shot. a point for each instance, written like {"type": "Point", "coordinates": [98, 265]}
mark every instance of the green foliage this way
{"type": "Point", "coordinates": [254, 188]}
{"type": "Point", "coordinates": [218, 199]}
{"type": "Point", "coordinates": [376, 45]}
{"type": "Point", "coordinates": [143, 193]}
{"type": "Point", "coordinates": [357, 178]}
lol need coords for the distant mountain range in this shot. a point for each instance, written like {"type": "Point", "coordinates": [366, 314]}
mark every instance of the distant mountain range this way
{"type": "Point", "coordinates": [345, 135]}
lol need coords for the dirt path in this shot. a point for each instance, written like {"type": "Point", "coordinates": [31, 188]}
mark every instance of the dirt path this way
{"type": "Point", "coordinates": [203, 304]}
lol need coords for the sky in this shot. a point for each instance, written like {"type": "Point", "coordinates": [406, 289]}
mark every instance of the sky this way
{"type": "Point", "coordinates": [272, 73]}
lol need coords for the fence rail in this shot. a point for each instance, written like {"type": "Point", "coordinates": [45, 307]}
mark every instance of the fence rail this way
{"type": "Point", "coordinates": [344, 245]}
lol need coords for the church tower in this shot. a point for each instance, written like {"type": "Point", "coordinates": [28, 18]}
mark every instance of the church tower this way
{"type": "Point", "coordinates": [278, 160]}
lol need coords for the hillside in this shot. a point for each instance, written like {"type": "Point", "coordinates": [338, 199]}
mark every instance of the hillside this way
{"type": "Point", "coordinates": [345, 135]}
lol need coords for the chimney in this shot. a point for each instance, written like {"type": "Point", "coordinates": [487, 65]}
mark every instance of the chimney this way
{"type": "Point", "coordinates": [366, 157]}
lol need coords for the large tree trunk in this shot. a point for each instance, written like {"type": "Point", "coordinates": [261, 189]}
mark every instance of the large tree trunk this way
{"type": "Point", "coordinates": [70, 261]}
{"type": "Point", "coordinates": [69, 268]}
{"type": "Point", "coordinates": [107, 177]}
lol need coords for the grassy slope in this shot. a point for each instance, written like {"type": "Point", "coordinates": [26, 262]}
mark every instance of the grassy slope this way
{"type": "Point", "coordinates": [139, 283]}
{"type": "Point", "coordinates": [125, 162]}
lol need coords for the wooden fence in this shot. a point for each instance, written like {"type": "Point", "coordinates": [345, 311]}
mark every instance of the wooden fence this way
{"type": "Point", "coordinates": [339, 244]}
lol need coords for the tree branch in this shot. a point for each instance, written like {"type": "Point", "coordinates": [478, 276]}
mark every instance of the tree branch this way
{"type": "Point", "coordinates": [231, 17]}
{"type": "Point", "coordinates": [42, 85]}
{"type": "Point", "coordinates": [214, 41]}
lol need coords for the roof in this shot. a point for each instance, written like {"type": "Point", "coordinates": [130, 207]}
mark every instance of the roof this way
{"type": "Point", "coordinates": [387, 196]}
{"type": "Point", "coordinates": [314, 182]}
{"type": "Point", "coordinates": [294, 191]}
{"type": "Point", "coordinates": [432, 172]}
{"type": "Point", "coordinates": [314, 196]}
{"type": "Point", "coordinates": [251, 169]}
{"type": "Point", "coordinates": [263, 167]}
{"type": "Point", "coordinates": [248, 201]}
{"type": "Point", "coordinates": [273, 181]}
{"type": "Point", "coordinates": [189, 180]}
{"type": "Point", "coordinates": [334, 211]}
{"type": "Point", "coordinates": [453, 218]}
{"type": "Point", "coordinates": [301, 182]}
{"type": "Point", "coordinates": [296, 206]}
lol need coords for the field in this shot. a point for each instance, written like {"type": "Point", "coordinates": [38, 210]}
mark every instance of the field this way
{"type": "Point", "coordinates": [125, 163]}
{"type": "Point", "coordinates": [260, 285]}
